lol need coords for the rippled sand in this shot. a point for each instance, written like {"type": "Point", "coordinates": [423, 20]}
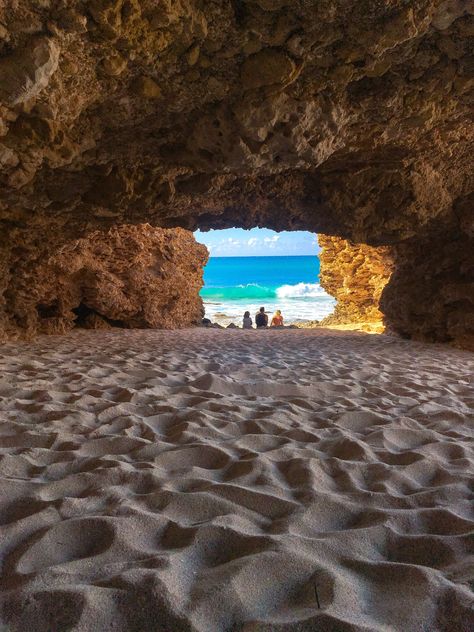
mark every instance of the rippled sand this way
{"type": "Point", "coordinates": [227, 480]}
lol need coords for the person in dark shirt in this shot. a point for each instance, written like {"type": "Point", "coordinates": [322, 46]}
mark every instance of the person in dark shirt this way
{"type": "Point", "coordinates": [261, 319]}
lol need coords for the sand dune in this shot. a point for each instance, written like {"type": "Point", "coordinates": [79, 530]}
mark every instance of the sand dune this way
{"type": "Point", "coordinates": [225, 480]}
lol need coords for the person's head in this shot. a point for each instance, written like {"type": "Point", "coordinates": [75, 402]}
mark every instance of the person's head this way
{"type": "Point", "coordinates": [262, 310]}
{"type": "Point", "coordinates": [278, 312]}
{"type": "Point", "coordinates": [247, 315]}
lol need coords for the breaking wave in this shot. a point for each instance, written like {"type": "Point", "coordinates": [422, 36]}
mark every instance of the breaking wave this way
{"type": "Point", "coordinates": [301, 290]}
{"type": "Point", "coordinates": [253, 291]}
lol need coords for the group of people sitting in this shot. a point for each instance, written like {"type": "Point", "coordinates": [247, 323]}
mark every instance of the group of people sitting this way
{"type": "Point", "coordinates": [261, 319]}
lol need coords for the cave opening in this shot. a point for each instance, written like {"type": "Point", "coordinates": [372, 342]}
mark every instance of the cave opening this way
{"type": "Point", "coordinates": [248, 269]}
{"type": "Point", "coordinates": [49, 310]}
{"type": "Point", "coordinates": [82, 312]}
{"type": "Point", "coordinates": [87, 318]}
{"type": "Point", "coordinates": [145, 277]}
{"type": "Point", "coordinates": [312, 279]}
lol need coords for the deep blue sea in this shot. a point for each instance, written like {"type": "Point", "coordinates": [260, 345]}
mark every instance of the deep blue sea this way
{"type": "Point", "coordinates": [235, 284]}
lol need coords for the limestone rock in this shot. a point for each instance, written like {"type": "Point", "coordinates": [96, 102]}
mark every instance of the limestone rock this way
{"type": "Point", "coordinates": [431, 293]}
{"type": "Point", "coordinates": [451, 10]}
{"type": "Point", "coordinates": [128, 276]}
{"type": "Point", "coordinates": [355, 274]}
{"type": "Point", "coordinates": [93, 321]}
{"type": "Point", "coordinates": [147, 87]}
{"type": "Point", "coordinates": [114, 65]}
{"type": "Point", "coordinates": [27, 71]}
{"type": "Point", "coordinates": [266, 68]}
{"type": "Point", "coordinates": [192, 55]}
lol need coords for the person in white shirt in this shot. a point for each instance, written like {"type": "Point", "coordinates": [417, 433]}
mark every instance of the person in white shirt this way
{"type": "Point", "coordinates": [247, 321]}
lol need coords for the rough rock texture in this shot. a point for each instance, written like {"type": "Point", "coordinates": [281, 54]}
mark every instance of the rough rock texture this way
{"type": "Point", "coordinates": [131, 276]}
{"type": "Point", "coordinates": [346, 118]}
{"type": "Point", "coordinates": [355, 274]}
{"type": "Point", "coordinates": [431, 293]}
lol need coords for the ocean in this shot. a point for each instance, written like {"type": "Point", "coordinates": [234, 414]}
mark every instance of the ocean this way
{"type": "Point", "coordinates": [236, 284]}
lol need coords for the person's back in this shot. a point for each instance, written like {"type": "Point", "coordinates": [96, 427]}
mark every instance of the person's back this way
{"type": "Point", "coordinates": [261, 319]}
{"type": "Point", "coordinates": [247, 321]}
{"type": "Point", "coordinates": [277, 320]}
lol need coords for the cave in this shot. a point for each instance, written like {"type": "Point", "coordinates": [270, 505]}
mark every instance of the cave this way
{"type": "Point", "coordinates": [89, 318]}
{"type": "Point", "coordinates": [158, 475]}
{"type": "Point", "coordinates": [315, 280]}
{"type": "Point", "coordinates": [354, 124]}
{"type": "Point", "coordinates": [248, 269]}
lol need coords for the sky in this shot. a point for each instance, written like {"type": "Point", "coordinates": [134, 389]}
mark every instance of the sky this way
{"type": "Point", "coordinates": [237, 242]}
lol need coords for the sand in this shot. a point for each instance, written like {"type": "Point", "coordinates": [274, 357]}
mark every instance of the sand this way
{"type": "Point", "coordinates": [214, 480]}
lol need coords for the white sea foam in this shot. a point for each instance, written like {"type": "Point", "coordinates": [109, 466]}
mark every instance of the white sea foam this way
{"type": "Point", "coordinates": [293, 309]}
{"type": "Point", "coordinates": [300, 290]}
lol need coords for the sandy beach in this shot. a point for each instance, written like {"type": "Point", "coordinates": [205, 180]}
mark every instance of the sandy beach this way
{"type": "Point", "coordinates": [207, 480]}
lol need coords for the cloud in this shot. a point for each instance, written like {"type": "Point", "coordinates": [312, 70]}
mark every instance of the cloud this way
{"type": "Point", "coordinates": [239, 242]}
{"type": "Point", "coordinates": [271, 242]}
{"type": "Point", "coordinates": [230, 241]}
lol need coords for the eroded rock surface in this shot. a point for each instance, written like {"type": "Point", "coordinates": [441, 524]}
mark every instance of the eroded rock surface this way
{"type": "Point", "coordinates": [431, 293]}
{"type": "Point", "coordinates": [346, 118]}
{"type": "Point", "coordinates": [130, 276]}
{"type": "Point", "coordinates": [355, 274]}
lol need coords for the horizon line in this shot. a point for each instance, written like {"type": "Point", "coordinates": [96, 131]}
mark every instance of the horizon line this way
{"type": "Point", "coordinates": [256, 256]}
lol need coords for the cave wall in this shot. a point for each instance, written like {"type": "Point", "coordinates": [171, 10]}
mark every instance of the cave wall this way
{"type": "Point", "coordinates": [129, 276]}
{"type": "Point", "coordinates": [345, 118]}
{"type": "Point", "coordinates": [355, 274]}
{"type": "Point", "coordinates": [431, 292]}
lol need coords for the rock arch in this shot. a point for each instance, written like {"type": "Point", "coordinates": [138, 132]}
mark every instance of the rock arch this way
{"type": "Point", "coordinates": [349, 120]}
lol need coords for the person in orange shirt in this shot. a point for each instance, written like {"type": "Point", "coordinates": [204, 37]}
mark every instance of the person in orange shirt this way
{"type": "Point", "coordinates": [277, 320]}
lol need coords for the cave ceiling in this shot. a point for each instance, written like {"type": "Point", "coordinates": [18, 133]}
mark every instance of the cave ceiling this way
{"type": "Point", "coordinates": [350, 118]}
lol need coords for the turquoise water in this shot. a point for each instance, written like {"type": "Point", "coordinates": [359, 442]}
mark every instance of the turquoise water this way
{"type": "Point", "coordinates": [235, 284]}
